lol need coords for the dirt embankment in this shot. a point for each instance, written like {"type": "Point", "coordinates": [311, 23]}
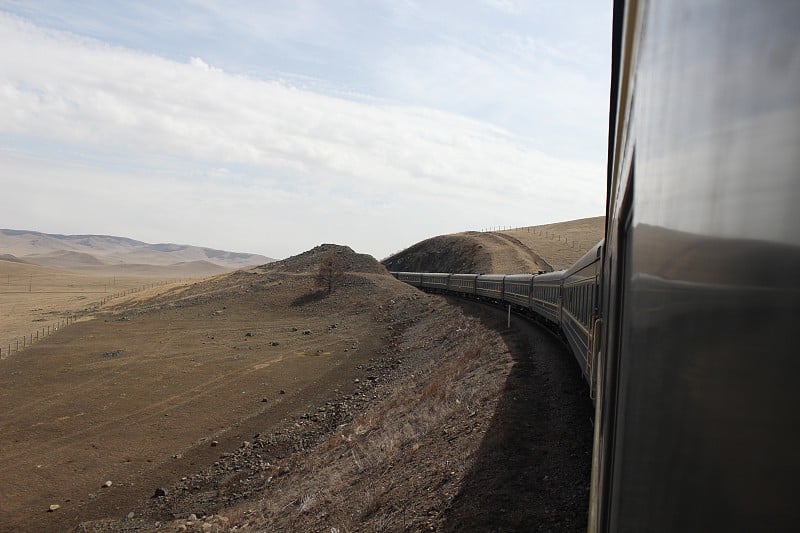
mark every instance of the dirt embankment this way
{"type": "Point", "coordinates": [521, 250]}
{"type": "Point", "coordinates": [470, 252]}
{"type": "Point", "coordinates": [445, 253]}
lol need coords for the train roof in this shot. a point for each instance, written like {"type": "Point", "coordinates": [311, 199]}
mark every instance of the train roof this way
{"type": "Point", "coordinates": [493, 277]}
{"type": "Point", "coordinates": [550, 276]}
{"type": "Point", "coordinates": [519, 277]}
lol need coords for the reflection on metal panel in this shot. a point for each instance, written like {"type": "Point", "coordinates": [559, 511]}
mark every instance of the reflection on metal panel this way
{"type": "Point", "coordinates": [707, 427]}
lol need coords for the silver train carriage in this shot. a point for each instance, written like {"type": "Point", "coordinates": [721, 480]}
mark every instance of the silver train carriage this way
{"type": "Point", "coordinates": [490, 286]}
{"type": "Point", "coordinates": [463, 284]}
{"type": "Point", "coordinates": [412, 278]}
{"type": "Point", "coordinates": [579, 309]}
{"type": "Point", "coordinates": [697, 422]}
{"type": "Point", "coordinates": [546, 296]}
{"type": "Point", "coordinates": [435, 281]}
{"type": "Point", "coordinates": [517, 289]}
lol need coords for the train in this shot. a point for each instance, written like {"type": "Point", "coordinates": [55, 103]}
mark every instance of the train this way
{"type": "Point", "coordinates": [684, 318]}
{"type": "Point", "coordinates": [565, 301]}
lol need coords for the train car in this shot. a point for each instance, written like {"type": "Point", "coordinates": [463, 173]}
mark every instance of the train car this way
{"type": "Point", "coordinates": [463, 284]}
{"type": "Point", "coordinates": [412, 278]}
{"type": "Point", "coordinates": [490, 286]}
{"type": "Point", "coordinates": [517, 289]}
{"type": "Point", "coordinates": [579, 312]}
{"type": "Point", "coordinates": [697, 422]}
{"type": "Point", "coordinates": [546, 296]}
{"type": "Point", "coordinates": [435, 281]}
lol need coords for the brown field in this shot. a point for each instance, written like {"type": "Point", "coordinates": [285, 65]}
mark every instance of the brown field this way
{"type": "Point", "coordinates": [120, 396]}
{"type": "Point", "coordinates": [33, 297]}
{"type": "Point", "coordinates": [260, 403]}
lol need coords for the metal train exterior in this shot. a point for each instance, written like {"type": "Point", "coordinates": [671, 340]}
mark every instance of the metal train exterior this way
{"type": "Point", "coordinates": [697, 406]}
{"type": "Point", "coordinates": [685, 320]}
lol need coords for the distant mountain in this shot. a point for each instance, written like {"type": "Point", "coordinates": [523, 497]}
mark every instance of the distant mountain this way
{"type": "Point", "coordinates": [98, 251]}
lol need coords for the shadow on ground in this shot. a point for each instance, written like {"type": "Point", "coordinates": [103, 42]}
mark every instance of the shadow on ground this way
{"type": "Point", "coordinates": [533, 467]}
{"type": "Point", "coordinates": [308, 298]}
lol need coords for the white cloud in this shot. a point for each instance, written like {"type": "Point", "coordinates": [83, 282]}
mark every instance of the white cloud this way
{"type": "Point", "coordinates": [302, 155]}
{"type": "Point", "coordinates": [507, 6]}
{"type": "Point", "coordinates": [199, 63]}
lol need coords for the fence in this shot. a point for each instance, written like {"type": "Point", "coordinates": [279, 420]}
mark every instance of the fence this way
{"type": "Point", "coordinates": [552, 235]}
{"type": "Point", "coordinates": [18, 344]}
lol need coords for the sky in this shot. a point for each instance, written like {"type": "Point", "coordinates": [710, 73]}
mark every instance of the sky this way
{"type": "Point", "coordinates": [273, 126]}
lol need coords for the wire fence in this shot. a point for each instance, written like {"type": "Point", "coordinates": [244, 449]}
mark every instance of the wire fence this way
{"type": "Point", "coordinates": [575, 244]}
{"type": "Point", "coordinates": [18, 344]}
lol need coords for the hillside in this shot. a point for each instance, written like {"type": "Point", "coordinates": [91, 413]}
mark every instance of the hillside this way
{"type": "Point", "coordinates": [529, 249]}
{"type": "Point", "coordinates": [562, 243]}
{"type": "Point", "coordinates": [105, 252]}
{"type": "Point", "coordinates": [252, 401]}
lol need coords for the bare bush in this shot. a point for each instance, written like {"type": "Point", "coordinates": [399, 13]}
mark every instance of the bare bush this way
{"type": "Point", "coordinates": [331, 271]}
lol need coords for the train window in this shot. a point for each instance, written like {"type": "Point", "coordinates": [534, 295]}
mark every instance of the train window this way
{"type": "Point", "coordinates": [585, 305]}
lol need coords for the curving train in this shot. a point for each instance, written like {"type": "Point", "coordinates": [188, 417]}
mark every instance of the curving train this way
{"type": "Point", "coordinates": [565, 300]}
{"type": "Point", "coordinates": [685, 319]}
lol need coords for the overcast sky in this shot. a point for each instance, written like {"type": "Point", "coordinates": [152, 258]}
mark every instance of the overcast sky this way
{"type": "Point", "coordinates": [271, 126]}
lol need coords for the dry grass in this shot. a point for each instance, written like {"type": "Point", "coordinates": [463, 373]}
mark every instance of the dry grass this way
{"type": "Point", "coordinates": [351, 480]}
